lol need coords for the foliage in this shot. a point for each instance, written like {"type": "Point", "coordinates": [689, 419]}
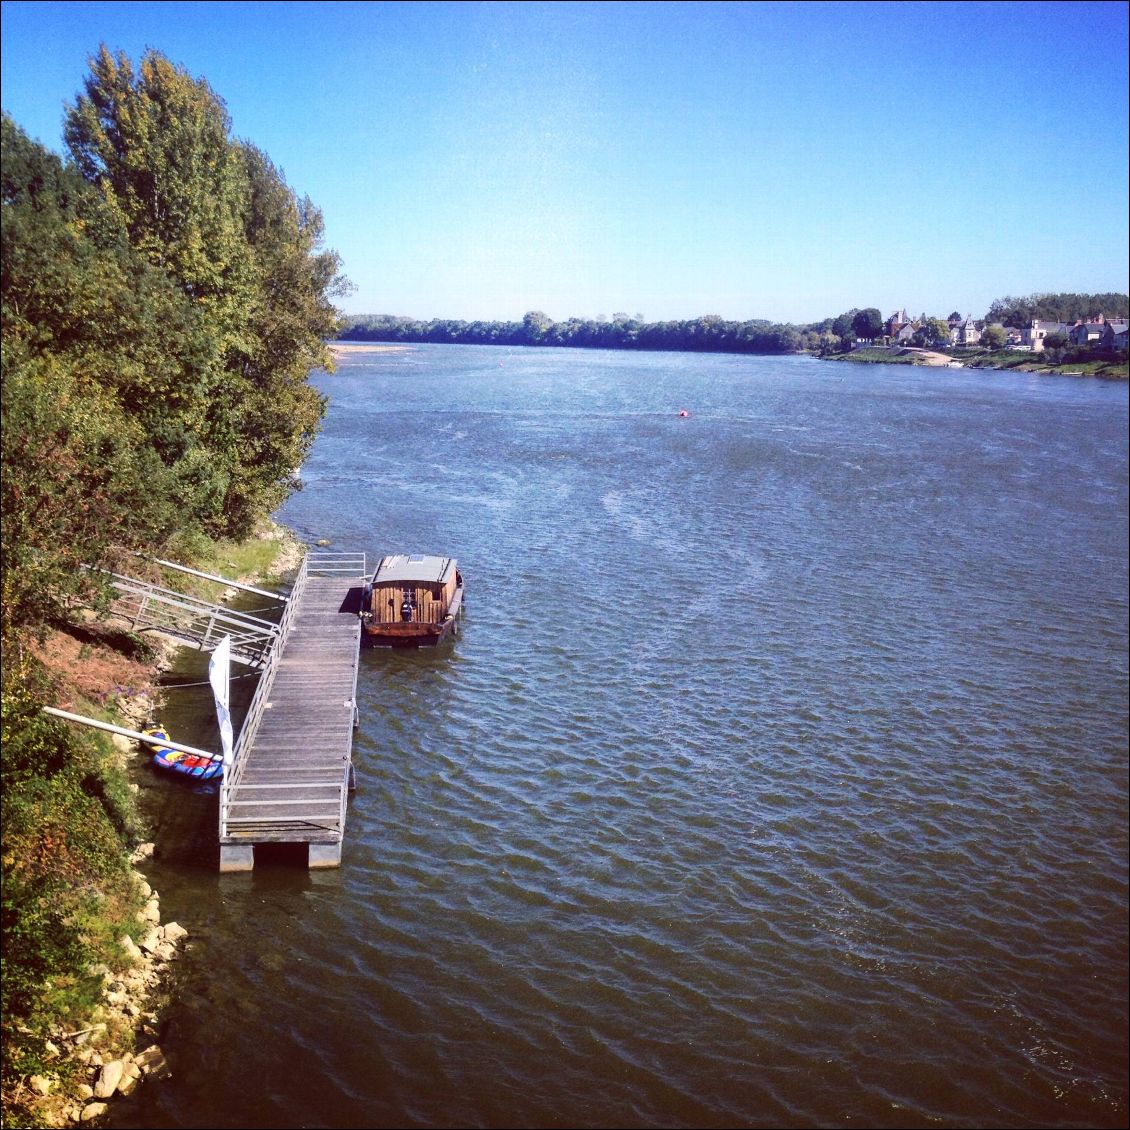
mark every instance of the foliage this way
{"type": "Point", "coordinates": [1019, 312]}
{"type": "Point", "coordinates": [219, 219]}
{"type": "Point", "coordinates": [867, 324]}
{"type": "Point", "coordinates": [163, 298]}
{"type": "Point", "coordinates": [79, 485]}
{"type": "Point", "coordinates": [66, 884]}
{"type": "Point", "coordinates": [993, 337]}
{"type": "Point", "coordinates": [934, 332]}
{"type": "Point", "coordinates": [708, 333]}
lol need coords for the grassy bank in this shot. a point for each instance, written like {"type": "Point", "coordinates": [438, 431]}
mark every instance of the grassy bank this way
{"type": "Point", "coordinates": [882, 354]}
{"type": "Point", "coordinates": [1106, 368]}
{"type": "Point", "coordinates": [70, 823]}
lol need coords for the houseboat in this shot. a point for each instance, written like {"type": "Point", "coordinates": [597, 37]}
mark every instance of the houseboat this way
{"type": "Point", "coordinates": [413, 600]}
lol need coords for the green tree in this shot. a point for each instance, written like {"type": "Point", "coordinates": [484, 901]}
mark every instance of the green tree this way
{"type": "Point", "coordinates": [842, 326]}
{"type": "Point", "coordinates": [219, 220]}
{"type": "Point", "coordinates": [535, 326]}
{"type": "Point", "coordinates": [932, 333]}
{"type": "Point", "coordinates": [867, 324]}
{"type": "Point", "coordinates": [80, 477]}
{"type": "Point", "coordinates": [993, 337]}
{"type": "Point", "coordinates": [156, 142]}
{"type": "Point", "coordinates": [273, 408]}
{"type": "Point", "coordinates": [1066, 307]}
{"type": "Point", "coordinates": [78, 483]}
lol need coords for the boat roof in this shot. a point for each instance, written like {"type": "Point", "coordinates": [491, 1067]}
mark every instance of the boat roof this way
{"type": "Point", "coordinates": [425, 567]}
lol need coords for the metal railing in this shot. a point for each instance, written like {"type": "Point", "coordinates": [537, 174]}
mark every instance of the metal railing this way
{"type": "Point", "coordinates": [260, 698]}
{"type": "Point", "coordinates": [149, 607]}
{"type": "Point", "coordinates": [327, 564]}
{"type": "Point", "coordinates": [314, 563]}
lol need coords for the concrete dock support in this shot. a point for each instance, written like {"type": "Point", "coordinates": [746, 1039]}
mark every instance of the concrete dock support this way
{"type": "Point", "coordinates": [324, 855]}
{"type": "Point", "coordinates": [237, 857]}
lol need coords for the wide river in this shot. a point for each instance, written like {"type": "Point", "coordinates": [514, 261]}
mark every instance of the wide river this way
{"type": "Point", "coordinates": [778, 776]}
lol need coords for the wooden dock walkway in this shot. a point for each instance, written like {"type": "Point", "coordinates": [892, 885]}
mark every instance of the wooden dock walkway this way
{"type": "Point", "coordinates": [293, 768]}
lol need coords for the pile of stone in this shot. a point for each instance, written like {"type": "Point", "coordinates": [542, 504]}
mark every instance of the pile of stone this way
{"type": "Point", "coordinates": [127, 1000]}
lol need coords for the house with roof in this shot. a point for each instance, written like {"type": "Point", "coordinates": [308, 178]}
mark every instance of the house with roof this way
{"type": "Point", "coordinates": [1032, 337]}
{"type": "Point", "coordinates": [967, 332]}
{"type": "Point", "coordinates": [1114, 336]}
{"type": "Point", "coordinates": [1089, 332]}
{"type": "Point", "coordinates": [895, 324]}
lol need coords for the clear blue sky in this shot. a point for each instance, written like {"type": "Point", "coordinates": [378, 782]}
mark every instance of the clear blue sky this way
{"type": "Point", "coordinates": [774, 160]}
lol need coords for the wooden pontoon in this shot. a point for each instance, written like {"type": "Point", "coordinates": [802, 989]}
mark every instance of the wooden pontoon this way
{"type": "Point", "coordinates": [412, 601]}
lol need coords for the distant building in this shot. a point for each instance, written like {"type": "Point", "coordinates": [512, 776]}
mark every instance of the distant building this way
{"type": "Point", "coordinates": [895, 323]}
{"type": "Point", "coordinates": [1114, 336]}
{"type": "Point", "coordinates": [1032, 337]}
{"type": "Point", "coordinates": [1089, 332]}
{"type": "Point", "coordinates": [966, 332]}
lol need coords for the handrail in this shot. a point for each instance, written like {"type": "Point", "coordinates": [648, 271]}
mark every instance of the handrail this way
{"type": "Point", "coordinates": [333, 563]}
{"type": "Point", "coordinates": [182, 600]}
{"type": "Point", "coordinates": [258, 703]}
{"type": "Point", "coordinates": [314, 563]}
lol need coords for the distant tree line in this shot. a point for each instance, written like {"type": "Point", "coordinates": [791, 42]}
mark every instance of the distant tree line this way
{"type": "Point", "coordinates": [711, 333]}
{"type": "Point", "coordinates": [1019, 312]}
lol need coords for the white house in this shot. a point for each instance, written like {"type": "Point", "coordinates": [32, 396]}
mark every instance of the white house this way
{"type": "Point", "coordinates": [1032, 337]}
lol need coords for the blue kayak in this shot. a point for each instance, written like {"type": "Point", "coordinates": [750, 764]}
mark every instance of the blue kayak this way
{"type": "Point", "coordinates": [187, 764]}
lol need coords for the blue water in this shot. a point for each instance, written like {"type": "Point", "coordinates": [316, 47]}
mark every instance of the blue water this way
{"type": "Point", "coordinates": [778, 776]}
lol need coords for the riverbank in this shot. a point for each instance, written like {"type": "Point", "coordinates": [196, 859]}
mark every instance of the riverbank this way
{"type": "Point", "coordinates": [78, 1059]}
{"type": "Point", "coordinates": [1002, 360]}
{"type": "Point", "coordinates": [360, 348]}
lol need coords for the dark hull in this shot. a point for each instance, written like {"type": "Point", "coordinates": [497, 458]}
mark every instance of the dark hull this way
{"type": "Point", "coordinates": [413, 633]}
{"type": "Point", "coordinates": [407, 635]}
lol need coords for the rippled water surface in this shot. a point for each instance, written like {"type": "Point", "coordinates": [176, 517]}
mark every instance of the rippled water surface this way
{"type": "Point", "coordinates": [778, 776]}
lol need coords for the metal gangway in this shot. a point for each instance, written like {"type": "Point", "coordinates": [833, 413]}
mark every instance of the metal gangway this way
{"type": "Point", "coordinates": [292, 766]}
{"type": "Point", "coordinates": [193, 620]}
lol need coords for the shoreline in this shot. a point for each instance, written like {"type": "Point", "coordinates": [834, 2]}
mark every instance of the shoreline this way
{"type": "Point", "coordinates": [877, 354]}
{"type": "Point", "coordinates": [114, 1049]}
{"type": "Point", "coordinates": [929, 358]}
{"type": "Point", "coordinates": [347, 348]}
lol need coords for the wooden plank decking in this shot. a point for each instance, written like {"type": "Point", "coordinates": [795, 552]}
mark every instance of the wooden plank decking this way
{"type": "Point", "coordinates": [290, 785]}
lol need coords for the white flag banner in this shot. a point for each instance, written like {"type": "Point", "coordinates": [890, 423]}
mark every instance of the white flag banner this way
{"type": "Point", "coordinates": [219, 668]}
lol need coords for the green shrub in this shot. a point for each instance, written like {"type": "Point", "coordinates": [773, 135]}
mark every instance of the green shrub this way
{"type": "Point", "coordinates": [67, 816]}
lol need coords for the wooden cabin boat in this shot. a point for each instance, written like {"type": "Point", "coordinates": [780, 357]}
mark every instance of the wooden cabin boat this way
{"type": "Point", "coordinates": [412, 601]}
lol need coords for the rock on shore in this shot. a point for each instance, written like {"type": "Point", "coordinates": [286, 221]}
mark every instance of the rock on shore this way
{"type": "Point", "coordinates": [128, 1015]}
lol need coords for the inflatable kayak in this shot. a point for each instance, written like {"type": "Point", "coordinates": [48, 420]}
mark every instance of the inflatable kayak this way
{"type": "Point", "coordinates": [187, 764]}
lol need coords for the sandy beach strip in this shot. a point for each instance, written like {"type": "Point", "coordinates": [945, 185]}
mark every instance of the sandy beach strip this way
{"type": "Point", "coordinates": [350, 348]}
